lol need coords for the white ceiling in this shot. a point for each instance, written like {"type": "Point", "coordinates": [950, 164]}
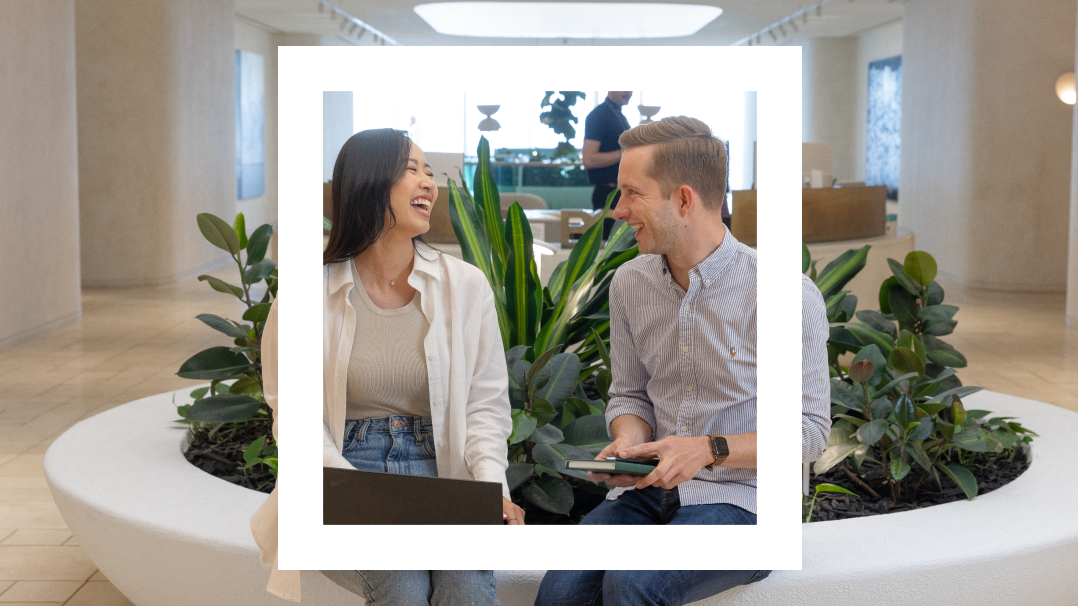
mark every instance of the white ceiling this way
{"type": "Point", "coordinates": [740, 18]}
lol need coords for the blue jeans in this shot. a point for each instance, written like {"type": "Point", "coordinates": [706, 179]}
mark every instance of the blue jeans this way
{"type": "Point", "coordinates": [652, 505]}
{"type": "Point", "coordinates": [419, 587]}
{"type": "Point", "coordinates": [397, 444]}
{"type": "Point", "coordinates": [404, 444]}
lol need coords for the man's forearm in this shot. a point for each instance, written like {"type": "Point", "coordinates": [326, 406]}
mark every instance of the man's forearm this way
{"type": "Point", "coordinates": [601, 159]}
{"type": "Point", "coordinates": [742, 451]}
{"type": "Point", "coordinates": [631, 427]}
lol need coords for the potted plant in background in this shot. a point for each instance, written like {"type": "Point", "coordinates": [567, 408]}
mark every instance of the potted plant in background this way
{"type": "Point", "coordinates": [897, 415]}
{"type": "Point", "coordinates": [229, 420]}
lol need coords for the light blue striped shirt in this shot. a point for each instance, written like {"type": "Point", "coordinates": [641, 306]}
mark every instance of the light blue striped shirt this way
{"type": "Point", "coordinates": [685, 362]}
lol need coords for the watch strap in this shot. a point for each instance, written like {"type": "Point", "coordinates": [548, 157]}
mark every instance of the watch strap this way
{"type": "Point", "coordinates": [719, 450]}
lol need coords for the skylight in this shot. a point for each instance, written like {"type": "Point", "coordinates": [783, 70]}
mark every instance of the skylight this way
{"type": "Point", "coordinates": [566, 19]}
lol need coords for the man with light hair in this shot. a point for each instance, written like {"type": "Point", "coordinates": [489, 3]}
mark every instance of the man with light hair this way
{"type": "Point", "coordinates": [683, 356]}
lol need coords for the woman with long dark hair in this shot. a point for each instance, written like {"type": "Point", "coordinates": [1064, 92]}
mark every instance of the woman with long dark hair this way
{"type": "Point", "coordinates": [414, 375]}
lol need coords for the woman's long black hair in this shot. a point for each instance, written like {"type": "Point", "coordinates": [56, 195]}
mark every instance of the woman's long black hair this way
{"type": "Point", "coordinates": [370, 163]}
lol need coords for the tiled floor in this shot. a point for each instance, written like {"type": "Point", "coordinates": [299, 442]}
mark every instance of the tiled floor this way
{"type": "Point", "coordinates": [131, 342]}
{"type": "Point", "coordinates": [128, 345]}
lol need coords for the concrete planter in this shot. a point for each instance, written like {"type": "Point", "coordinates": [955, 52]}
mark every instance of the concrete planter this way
{"type": "Point", "coordinates": [165, 533]}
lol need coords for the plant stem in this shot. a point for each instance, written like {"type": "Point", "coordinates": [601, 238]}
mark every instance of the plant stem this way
{"type": "Point", "coordinates": [857, 480]}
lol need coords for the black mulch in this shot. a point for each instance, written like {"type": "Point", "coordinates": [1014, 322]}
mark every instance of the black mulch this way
{"type": "Point", "coordinates": [838, 506]}
{"type": "Point", "coordinates": [225, 459]}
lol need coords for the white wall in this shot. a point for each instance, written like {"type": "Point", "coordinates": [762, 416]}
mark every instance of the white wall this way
{"type": "Point", "coordinates": [156, 136]}
{"type": "Point", "coordinates": [986, 145]}
{"type": "Point", "coordinates": [39, 187]}
{"type": "Point", "coordinates": [828, 68]}
{"type": "Point", "coordinates": [1072, 262]}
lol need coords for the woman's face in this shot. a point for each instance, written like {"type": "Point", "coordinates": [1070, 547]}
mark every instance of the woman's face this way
{"type": "Point", "coordinates": [413, 196]}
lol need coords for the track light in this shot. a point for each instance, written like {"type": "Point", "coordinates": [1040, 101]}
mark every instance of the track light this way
{"type": "Point", "coordinates": [773, 36]}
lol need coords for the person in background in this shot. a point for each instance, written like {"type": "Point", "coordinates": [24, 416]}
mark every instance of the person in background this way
{"type": "Point", "coordinates": [602, 154]}
{"type": "Point", "coordinates": [415, 380]}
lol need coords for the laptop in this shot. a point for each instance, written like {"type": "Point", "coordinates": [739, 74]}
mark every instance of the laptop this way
{"type": "Point", "coordinates": [350, 496]}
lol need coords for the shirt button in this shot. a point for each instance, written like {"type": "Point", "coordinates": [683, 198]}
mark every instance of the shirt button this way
{"type": "Point", "coordinates": [688, 388]}
{"type": "Point", "coordinates": [684, 428]}
{"type": "Point", "coordinates": [685, 349]}
{"type": "Point", "coordinates": [707, 281]}
{"type": "Point", "coordinates": [686, 308]}
{"type": "Point", "coordinates": [430, 357]}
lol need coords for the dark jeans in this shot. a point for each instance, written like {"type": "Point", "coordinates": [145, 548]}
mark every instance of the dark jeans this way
{"type": "Point", "coordinates": [652, 505]}
{"type": "Point", "coordinates": [598, 202]}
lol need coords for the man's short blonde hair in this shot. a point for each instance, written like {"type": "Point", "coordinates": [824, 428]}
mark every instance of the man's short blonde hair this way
{"type": "Point", "coordinates": [686, 153]}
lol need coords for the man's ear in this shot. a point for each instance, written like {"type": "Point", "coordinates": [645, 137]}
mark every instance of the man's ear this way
{"type": "Point", "coordinates": [684, 199]}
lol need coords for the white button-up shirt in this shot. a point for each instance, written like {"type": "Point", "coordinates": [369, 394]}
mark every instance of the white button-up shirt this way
{"type": "Point", "coordinates": [466, 372]}
{"type": "Point", "coordinates": [685, 361]}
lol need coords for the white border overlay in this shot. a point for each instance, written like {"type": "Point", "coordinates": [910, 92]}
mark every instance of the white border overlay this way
{"type": "Point", "coordinates": [775, 542]}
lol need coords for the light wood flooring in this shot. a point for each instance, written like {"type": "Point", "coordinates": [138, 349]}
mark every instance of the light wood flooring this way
{"type": "Point", "coordinates": [130, 343]}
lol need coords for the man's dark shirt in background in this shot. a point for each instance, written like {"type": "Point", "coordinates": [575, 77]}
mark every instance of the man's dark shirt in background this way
{"type": "Point", "coordinates": [605, 124]}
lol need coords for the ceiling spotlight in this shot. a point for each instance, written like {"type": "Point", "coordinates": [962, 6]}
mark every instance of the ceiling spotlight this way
{"type": "Point", "coordinates": [819, 10]}
{"type": "Point", "coordinates": [782, 30]}
{"type": "Point", "coordinates": [805, 15]}
{"type": "Point", "coordinates": [773, 36]}
{"type": "Point", "coordinates": [757, 39]}
{"type": "Point", "coordinates": [793, 24]}
{"type": "Point", "coordinates": [321, 7]}
{"type": "Point", "coordinates": [750, 41]}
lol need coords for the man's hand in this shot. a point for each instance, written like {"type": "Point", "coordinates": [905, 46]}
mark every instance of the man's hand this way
{"type": "Point", "coordinates": [680, 459]}
{"type": "Point", "coordinates": [612, 450]}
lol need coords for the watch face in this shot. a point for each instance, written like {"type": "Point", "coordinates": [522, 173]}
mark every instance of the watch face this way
{"type": "Point", "coordinates": [719, 448]}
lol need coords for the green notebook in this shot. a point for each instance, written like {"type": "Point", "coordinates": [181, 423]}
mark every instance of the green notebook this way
{"type": "Point", "coordinates": [636, 469]}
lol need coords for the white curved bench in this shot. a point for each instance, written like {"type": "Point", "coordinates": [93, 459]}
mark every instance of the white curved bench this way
{"type": "Point", "coordinates": [164, 532]}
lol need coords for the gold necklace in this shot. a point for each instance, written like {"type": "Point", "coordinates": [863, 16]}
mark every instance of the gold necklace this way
{"type": "Point", "coordinates": [392, 282]}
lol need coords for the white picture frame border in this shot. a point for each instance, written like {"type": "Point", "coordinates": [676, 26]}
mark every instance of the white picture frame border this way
{"type": "Point", "coordinates": [774, 543]}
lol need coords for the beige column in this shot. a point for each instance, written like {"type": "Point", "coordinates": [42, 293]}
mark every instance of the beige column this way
{"type": "Point", "coordinates": [39, 186]}
{"type": "Point", "coordinates": [1072, 263]}
{"type": "Point", "coordinates": [156, 136]}
{"type": "Point", "coordinates": [986, 145]}
{"type": "Point", "coordinates": [828, 100]}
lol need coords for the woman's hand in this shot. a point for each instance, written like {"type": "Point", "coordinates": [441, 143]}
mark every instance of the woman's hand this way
{"type": "Point", "coordinates": [511, 513]}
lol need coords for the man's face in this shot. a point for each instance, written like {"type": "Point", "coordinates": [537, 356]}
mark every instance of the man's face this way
{"type": "Point", "coordinates": [642, 204]}
{"type": "Point", "coordinates": [621, 97]}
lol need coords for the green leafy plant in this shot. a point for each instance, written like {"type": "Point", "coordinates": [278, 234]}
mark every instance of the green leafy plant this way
{"type": "Point", "coordinates": [260, 452]}
{"type": "Point", "coordinates": [808, 505]}
{"type": "Point", "coordinates": [234, 396]}
{"type": "Point", "coordinates": [554, 337]}
{"type": "Point", "coordinates": [560, 119]}
{"type": "Point", "coordinates": [899, 401]}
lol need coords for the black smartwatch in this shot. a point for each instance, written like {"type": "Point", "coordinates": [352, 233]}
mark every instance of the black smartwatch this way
{"type": "Point", "coordinates": [719, 449]}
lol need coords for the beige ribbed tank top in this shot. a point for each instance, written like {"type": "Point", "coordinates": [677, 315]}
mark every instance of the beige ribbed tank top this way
{"type": "Point", "coordinates": [387, 372]}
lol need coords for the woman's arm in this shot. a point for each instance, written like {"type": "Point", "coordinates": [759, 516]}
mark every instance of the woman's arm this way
{"type": "Point", "coordinates": [488, 412]}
